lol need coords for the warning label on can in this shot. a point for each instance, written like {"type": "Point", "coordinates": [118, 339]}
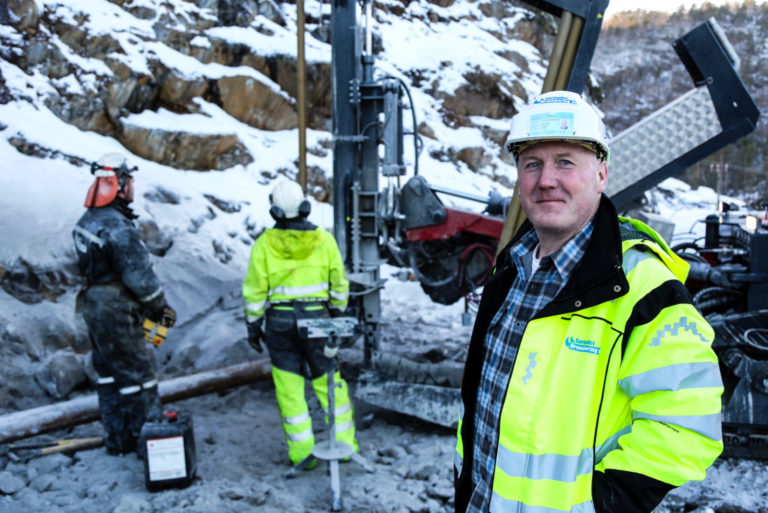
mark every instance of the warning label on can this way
{"type": "Point", "coordinates": [165, 458]}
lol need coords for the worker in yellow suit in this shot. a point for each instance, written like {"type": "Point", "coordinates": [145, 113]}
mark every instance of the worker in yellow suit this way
{"type": "Point", "coordinates": [296, 272]}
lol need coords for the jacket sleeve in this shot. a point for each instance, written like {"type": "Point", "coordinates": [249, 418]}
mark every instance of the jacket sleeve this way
{"type": "Point", "coordinates": [256, 284]}
{"type": "Point", "coordinates": [337, 276]}
{"type": "Point", "coordinates": [670, 375]}
{"type": "Point", "coordinates": [130, 259]}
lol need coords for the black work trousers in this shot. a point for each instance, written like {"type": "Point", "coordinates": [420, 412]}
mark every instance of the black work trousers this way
{"type": "Point", "coordinates": [287, 350]}
{"type": "Point", "coordinates": [127, 388]}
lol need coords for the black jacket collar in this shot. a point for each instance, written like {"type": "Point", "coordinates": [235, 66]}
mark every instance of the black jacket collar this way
{"type": "Point", "coordinates": [599, 276]}
{"type": "Point", "coordinates": [123, 207]}
{"type": "Point", "coordinates": [295, 223]}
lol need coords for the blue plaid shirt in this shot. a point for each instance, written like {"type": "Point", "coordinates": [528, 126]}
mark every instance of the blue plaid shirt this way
{"type": "Point", "coordinates": [527, 296]}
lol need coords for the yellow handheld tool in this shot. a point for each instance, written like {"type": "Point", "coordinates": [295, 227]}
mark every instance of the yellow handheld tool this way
{"type": "Point", "coordinates": [154, 332]}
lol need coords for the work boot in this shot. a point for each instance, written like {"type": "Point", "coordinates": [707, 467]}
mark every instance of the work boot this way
{"type": "Point", "coordinates": [307, 463]}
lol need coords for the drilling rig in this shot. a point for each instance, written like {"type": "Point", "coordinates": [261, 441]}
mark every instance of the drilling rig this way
{"type": "Point", "coordinates": [451, 251]}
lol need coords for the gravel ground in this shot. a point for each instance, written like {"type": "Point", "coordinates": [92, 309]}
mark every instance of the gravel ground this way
{"type": "Point", "coordinates": [241, 457]}
{"type": "Point", "coordinates": [241, 460]}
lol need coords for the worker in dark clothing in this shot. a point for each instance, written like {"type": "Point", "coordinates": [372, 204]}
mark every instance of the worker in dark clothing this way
{"type": "Point", "coordinates": [120, 291]}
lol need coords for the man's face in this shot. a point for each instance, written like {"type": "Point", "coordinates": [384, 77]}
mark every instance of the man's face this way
{"type": "Point", "coordinates": [560, 187]}
{"type": "Point", "coordinates": [127, 192]}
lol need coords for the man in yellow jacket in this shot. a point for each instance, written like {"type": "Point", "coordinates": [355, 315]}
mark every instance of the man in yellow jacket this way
{"type": "Point", "coordinates": [296, 272]}
{"type": "Point", "coordinates": [590, 384]}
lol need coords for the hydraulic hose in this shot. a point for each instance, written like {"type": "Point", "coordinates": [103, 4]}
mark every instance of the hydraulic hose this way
{"type": "Point", "coordinates": [714, 298]}
{"type": "Point", "coordinates": [468, 252]}
{"type": "Point", "coordinates": [422, 278]}
{"type": "Point", "coordinates": [679, 249]}
{"type": "Point", "coordinates": [417, 144]}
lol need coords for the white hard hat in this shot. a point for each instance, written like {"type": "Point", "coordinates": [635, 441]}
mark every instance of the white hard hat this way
{"type": "Point", "coordinates": [558, 116]}
{"type": "Point", "coordinates": [110, 164]}
{"type": "Point", "coordinates": [287, 199]}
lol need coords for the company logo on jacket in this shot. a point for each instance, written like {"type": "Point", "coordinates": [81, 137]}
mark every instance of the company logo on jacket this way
{"type": "Point", "coordinates": [582, 346]}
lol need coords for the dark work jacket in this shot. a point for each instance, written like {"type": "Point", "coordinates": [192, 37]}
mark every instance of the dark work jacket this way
{"type": "Point", "coordinates": [593, 282]}
{"type": "Point", "coordinates": [120, 286]}
{"type": "Point", "coordinates": [109, 250]}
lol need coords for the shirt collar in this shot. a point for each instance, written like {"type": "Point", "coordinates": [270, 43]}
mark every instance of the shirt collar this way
{"type": "Point", "coordinates": [565, 259]}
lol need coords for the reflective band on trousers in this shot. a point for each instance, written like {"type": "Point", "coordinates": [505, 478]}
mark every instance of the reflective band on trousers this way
{"type": "Point", "coordinates": [501, 505]}
{"type": "Point", "coordinates": [299, 291]}
{"type": "Point", "coordinates": [672, 378]}
{"type": "Point", "coordinates": [340, 410]}
{"type": "Point", "coordinates": [105, 381]}
{"type": "Point", "coordinates": [344, 426]}
{"type": "Point", "coordinates": [296, 419]}
{"type": "Point", "coordinates": [133, 389]}
{"type": "Point", "coordinates": [299, 437]}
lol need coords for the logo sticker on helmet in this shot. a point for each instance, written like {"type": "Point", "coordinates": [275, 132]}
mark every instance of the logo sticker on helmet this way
{"type": "Point", "coordinates": [555, 124]}
{"type": "Point", "coordinates": [554, 99]}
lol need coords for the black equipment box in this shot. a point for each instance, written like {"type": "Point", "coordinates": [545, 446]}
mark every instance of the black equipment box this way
{"type": "Point", "coordinates": [169, 452]}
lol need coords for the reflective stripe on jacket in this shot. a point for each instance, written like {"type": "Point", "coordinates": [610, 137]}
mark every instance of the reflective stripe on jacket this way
{"type": "Point", "coordinates": [614, 397]}
{"type": "Point", "coordinates": [288, 265]}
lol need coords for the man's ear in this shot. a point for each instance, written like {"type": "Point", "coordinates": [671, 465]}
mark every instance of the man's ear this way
{"type": "Point", "coordinates": [602, 176]}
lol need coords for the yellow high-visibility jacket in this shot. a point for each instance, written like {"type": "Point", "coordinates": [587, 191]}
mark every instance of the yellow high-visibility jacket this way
{"type": "Point", "coordinates": [621, 397]}
{"type": "Point", "coordinates": [289, 265]}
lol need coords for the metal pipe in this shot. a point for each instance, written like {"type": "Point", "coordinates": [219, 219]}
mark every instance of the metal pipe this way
{"type": "Point", "coordinates": [368, 29]}
{"type": "Point", "coordinates": [458, 194]}
{"type": "Point", "coordinates": [569, 54]}
{"type": "Point", "coordinates": [557, 51]}
{"type": "Point", "coordinates": [52, 417]}
{"type": "Point", "coordinates": [345, 92]}
{"type": "Point", "coordinates": [301, 94]}
{"type": "Point", "coordinates": [355, 228]}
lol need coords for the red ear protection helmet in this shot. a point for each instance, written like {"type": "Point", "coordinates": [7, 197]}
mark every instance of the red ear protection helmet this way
{"type": "Point", "coordinates": [112, 174]}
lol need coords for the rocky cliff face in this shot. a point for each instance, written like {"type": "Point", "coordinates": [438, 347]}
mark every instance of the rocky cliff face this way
{"type": "Point", "coordinates": [99, 75]}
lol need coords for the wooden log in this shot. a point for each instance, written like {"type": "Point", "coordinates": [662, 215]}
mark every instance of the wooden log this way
{"type": "Point", "coordinates": [52, 417]}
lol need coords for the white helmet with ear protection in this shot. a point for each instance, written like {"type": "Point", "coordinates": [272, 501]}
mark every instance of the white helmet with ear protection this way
{"type": "Point", "coordinates": [287, 201]}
